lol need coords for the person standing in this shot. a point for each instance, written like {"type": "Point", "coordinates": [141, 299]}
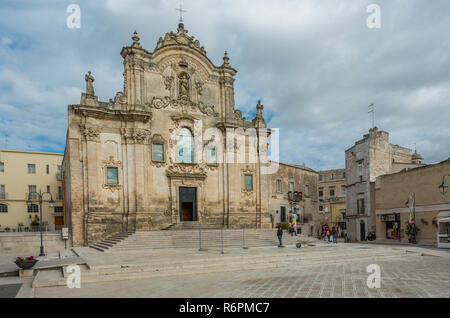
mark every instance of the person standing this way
{"type": "Point", "coordinates": [328, 234]}
{"type": "Point", "coordinates": [280, 235]}
{"type": "Point", "coordinates": [334, 235]}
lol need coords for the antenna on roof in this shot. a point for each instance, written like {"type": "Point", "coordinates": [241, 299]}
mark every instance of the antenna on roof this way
{"type": "Point", "coordinates": [372, 110]}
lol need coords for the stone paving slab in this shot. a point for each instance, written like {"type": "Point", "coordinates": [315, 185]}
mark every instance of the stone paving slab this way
{"type": "Point", "coordinates": [325, 270]}
{"type": "Point", "coordinates": [415, 276]}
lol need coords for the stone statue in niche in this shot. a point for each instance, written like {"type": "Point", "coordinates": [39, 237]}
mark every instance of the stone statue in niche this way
{"type": "Point", "coordinates": [183, 86]}
{"type": "Point", "coordinates": [89, 84]}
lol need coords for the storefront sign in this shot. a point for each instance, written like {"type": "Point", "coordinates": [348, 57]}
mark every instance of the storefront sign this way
{"type": "Point", "coordinates": [388, 217]}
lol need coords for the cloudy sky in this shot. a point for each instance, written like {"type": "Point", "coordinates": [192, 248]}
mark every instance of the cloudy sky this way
{"type": "Point", "coordinates": [315, 65]}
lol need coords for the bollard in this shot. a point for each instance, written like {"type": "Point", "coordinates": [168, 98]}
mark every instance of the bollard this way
{"type": "Point", "coordinates": [200, 236]}
{"type": "Point", "coordinates": [221, 232]}
{"type": "Point", "coordinates": [243, 239]}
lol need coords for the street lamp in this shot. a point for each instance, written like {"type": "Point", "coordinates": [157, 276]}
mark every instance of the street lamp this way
{"type": "Point", "coordinates": [443, 188]}
{"type": "Point", "coordinates": [51, 203]}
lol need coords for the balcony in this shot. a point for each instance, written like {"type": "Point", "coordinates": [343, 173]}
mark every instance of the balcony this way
{"type": "Point", "coordinates": [32, 196]}
{"type": "Point", "coordinates": [295, 196]}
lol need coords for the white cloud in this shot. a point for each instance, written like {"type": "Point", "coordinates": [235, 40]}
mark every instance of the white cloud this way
{"type": "Point", "coordinates": [315, 65]}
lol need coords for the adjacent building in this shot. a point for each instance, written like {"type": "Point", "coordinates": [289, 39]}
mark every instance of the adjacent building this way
{"type": "Point", "coordinates": [332, 199]}
{"type": "Point", "coordinates": [22, 173]}
{"type": "Point", "coordinates": [293, 191]}
{"type": "Point", "coordinates": [370, 157]}
{"type": "Point", "coordinates": [420, 187]}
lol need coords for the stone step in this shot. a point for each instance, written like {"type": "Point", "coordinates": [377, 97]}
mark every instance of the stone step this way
{"type": "Point", "coordinates": [197, 267]}
{"type": "Point", "coordinates": [97, 248]}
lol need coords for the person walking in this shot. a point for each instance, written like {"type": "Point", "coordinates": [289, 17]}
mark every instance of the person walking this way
{"type": "Point", "coordinates": [334, 235]}
{"type": "Point", "coordinates": [280, 235]}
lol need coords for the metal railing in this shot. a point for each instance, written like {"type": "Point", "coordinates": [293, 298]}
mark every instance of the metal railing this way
{"type": "Point", "coordinates": [219, 239]}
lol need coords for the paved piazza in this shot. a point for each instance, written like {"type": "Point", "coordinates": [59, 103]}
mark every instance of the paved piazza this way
{"type": "Point", "coordinates": [324, 270]}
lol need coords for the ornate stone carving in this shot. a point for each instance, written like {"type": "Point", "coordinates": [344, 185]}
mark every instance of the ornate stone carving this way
{"type": "Point", "coordinates": [183, 86]}
{"type": "Point", "coordinates": [199, 87]}
{"type": "Point", "coordinates": [137, 135]}
{"type": "Point", "coordinates": [159, 103]}
{"type": "Point", "coordinates": [168, 80]}
{"type": "Point", "coordinates": [259, 121]}
{"type": "Point", "coordinates": [207, 110]}
{"type": "Point", "coordinates": [182, 104]}
{"type": "Point", "coordinates": [140, 136]}
{"type": "Point", "coordinates": [180, 38]}
{"type": "Point", "coordinates": [186, 170]}
{"type": "Point", "coordinates": [120, 98]}
{"type": "Point", "coordinates": [89, 84]}
{"type": "Point", "coordinates": [90, 133]}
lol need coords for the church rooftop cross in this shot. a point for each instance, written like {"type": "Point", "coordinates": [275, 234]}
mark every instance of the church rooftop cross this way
{"type": "Point", "coordinates": [180, 9]}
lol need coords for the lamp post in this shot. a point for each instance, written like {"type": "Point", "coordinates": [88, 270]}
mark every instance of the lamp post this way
{"type": "Point", "coordinates": [40, 194]}
{"type": "Point", "coordinates": [443, 188]}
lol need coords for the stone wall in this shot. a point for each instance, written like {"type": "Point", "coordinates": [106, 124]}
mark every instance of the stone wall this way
{"type": "Point", "coordinates": [369, 158]}
{"type": "Point", "coordinates": [30, 243]}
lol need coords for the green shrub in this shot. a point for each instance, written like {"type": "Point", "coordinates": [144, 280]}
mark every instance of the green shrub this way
{"type": "Point", "coordinates": [283, 225]}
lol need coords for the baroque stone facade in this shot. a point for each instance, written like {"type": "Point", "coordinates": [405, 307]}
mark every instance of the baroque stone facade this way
{"type": "Point", "coordinates": [123, 168]}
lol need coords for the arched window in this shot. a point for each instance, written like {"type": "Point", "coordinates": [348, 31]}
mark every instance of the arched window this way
{"type": "Point", "coordinates": [3, 208]}
{"type": "Point", "coordinates": [185, 146]}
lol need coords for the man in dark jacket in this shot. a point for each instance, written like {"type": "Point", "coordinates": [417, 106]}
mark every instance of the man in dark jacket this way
{"type": "Point", "coordinates": [280, 235]}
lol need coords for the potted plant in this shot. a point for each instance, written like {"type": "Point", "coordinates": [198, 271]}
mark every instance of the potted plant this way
{"type": "Point", "coordinates": [34, 223]}
{"type": "Point", "coordinates": [26, 263]}
{"type": "Point", "coordinates": [7, 229]}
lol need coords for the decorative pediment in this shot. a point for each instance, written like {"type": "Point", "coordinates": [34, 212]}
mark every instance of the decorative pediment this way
{"type": "Point", "coordinates": [180, 38]}
{"type": "Point", "coordinates": [158, 139]}
{"type": "Point", "coordinates": [183, 170]}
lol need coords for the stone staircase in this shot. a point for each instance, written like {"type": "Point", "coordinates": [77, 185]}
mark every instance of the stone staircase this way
{"type": "Point", "coordinates": [211, 239]}
{"type": "Point", "coordinates": [110, 241]}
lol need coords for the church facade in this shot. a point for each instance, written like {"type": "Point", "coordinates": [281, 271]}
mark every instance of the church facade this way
{"type": "Point", "coordinates": [164, 151]}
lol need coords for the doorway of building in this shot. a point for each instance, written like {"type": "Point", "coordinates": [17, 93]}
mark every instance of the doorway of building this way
{"type": "Point", "coordinates": [362, 227]}
{"type": "Point", "coordinates": [283, 214]}
{"type": "Point", "coordinates": [188, 204]}
{"type": "Point", "coordinates": [59, 222]}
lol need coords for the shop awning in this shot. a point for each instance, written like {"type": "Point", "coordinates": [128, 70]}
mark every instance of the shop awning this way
{"type": "Point", "coordinates": [444, 220]}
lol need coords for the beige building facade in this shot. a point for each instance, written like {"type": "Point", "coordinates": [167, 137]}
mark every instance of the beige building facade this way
{"type": "Point", "coordinates": [422, 184]}
{"type": "Point", "coordinates": [147, 160]}
{"type": "Point", "coordinates": [370, 157]}
{"type": "Point", "coordinates": [293, 191]}
{"type": "Point", "coordinates": [24, 172]}
{"type": "Point", "coordinates": [332, 199]}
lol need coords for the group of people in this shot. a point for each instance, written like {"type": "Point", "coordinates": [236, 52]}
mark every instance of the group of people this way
{"type": "Point", "coordinates": [330, 235]}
